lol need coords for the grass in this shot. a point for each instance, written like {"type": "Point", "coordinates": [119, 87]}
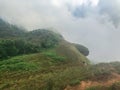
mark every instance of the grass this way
{"type": "Point", "coordinates": [49, 70]}
{"type": "Point", "coordinates": [71, 52]}
{"type": "Point", "coordinates": [31, 62]}
{"type": "Point", "coordinates": [16, 64]}
{"type": "Point", "coordinates": [41, 71]}
{"type": "Point", "coordinates": [55, 58]}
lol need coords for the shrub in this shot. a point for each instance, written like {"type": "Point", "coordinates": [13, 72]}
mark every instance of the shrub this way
{"type": "Point", "coordinates": [82, 49]}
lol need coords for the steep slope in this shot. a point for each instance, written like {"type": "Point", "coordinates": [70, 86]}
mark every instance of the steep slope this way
{"type": "Point", "coordinates": [42, 71]}
{"type": "Point", "coordinates": [49, 70]}
{"type": "Point", "coordinates": [82, 49]}
{"type": "Point", "coordinates": [42, 60]}
{"type": "Point", "coordinates": [15, 41]}
{"type": "Point", "coordinates": [72, 53]}
{"type": "Point", "coordinates": [38, 60]}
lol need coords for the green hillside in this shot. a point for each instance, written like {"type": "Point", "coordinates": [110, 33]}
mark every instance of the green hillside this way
{"type": "Point", "coordinates": [38, 60]}
{"type": "Point", "coordinates": [43, 60]}
{"type": "Point", "coordinates": [47, 70]}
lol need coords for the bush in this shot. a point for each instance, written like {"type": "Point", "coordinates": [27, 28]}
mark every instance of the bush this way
{"type": "Point", "coordinates": [17, 64]}
{"type": "Point", "coordinates": [9, 48]}
{"type": "Point", "coordinates": [82, 49]}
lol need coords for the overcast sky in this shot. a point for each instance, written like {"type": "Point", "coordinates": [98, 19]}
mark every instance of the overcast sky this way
{"type": "Point", "coordinates": [93, 23]}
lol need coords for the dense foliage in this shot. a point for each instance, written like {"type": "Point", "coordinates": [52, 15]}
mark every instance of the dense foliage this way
{"type": "Point", "coordinates": [45, 38]}
{"type": "Point", "coordinates": [16, 41]}
{"type": "Point", "coordinates": [10, 48]}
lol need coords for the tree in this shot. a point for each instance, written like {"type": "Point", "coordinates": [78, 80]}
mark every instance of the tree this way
{"type": "Point", "coordinates": [3, 53]}
{"type": "Point", "coordinates": [9, 47]}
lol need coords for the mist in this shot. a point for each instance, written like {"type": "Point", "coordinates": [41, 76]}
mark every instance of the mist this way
{"type": "Point", "coordinates": [92, 23]}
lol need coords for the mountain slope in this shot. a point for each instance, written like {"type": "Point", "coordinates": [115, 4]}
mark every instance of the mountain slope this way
{"type": "Point", "coordinates": [10, 31]}
{"type": "Point", "coordinates": [43, 60]}
{"type": "Point", "coordinates": [21, 42]}
{"type": "Point", "coordinates": [71, 52]}
{"type": "Point", "coordinates": [38, 60]}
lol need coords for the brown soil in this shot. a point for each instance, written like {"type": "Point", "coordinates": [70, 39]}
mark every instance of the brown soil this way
{"type": "Point", "coordinates": [85, 84]}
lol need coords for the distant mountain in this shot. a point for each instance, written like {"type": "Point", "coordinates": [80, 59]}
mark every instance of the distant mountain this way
{"type": "Point", "coordinates": [39, 60]}
{"type": "Point", "coordinates": [8, 30]}
{"type": "Point", "coordinates": [44, 38]}
{"type": "Point", "coordinates": [20, 41]}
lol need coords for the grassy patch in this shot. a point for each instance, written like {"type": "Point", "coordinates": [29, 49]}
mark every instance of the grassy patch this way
{"type": "Point", "coordinates": [55, 58]}
{"type": "Point", "coordinates": [16, 64]}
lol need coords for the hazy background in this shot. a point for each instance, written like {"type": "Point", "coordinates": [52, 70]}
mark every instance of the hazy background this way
{"type": "Point", "coordinates": [93, 23]}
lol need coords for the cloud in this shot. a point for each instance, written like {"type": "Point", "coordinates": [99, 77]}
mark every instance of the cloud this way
{"type": "Point", "coordinates": [107, 9]}
{"type": "Point", "coordinates": [112, 9]}
{"type": "Point", "coordinates": [93, 27]}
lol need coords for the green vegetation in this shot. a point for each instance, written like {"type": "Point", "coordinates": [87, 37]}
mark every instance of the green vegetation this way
{"type": "Point", "coordinates": [42, 71]}
{"type": "Point", "coordinates": [9, 48]}
{"type": "Point", "coordinates": [20, 41]}
{"type": "Point", "coordinates": [71, 52]}
{"type": "Point", "coordinates": [17, 64]}
{"type": "Point", "coordinates": [44, 38]}
{"type": "Point", "coordinates": [43, 60]}
{"type": "Point", "coordinates": [54, 57]}
{"type": "Point", "coordinates": [16, 41]}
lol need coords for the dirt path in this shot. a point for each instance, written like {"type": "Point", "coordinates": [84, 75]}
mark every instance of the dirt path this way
{"type": "Point", "coordinates": [86, 84]}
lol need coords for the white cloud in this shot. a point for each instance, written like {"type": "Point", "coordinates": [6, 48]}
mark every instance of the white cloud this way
{"type": "Point", "coordinates": [94, 2]}
{"type": "Point", "coordinates": [74, 3]}
{"type": "Point", "coordinates": [112, 9]}
{"type": "Point", "coordinates": [94, 31]}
